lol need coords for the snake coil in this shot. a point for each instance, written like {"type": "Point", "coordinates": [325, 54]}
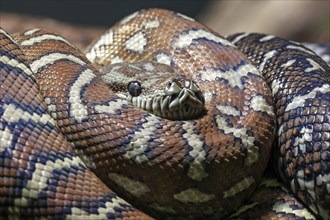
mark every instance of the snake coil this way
{"type": "Point", "coordinates": [69, 132]}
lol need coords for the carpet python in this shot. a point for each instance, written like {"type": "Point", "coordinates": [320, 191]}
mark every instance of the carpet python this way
{"type": "Point", "coordinates": [177, 120]}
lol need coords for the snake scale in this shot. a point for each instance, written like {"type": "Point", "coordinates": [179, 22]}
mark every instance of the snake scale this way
{"type": "Point", "coordinates": [69, 133]}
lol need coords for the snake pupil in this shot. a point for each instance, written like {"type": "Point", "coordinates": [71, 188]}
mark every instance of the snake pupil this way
{"type": "Point", "coordinates": [134, 88]}
{"type": "Point", "coordinates": [169, 84]}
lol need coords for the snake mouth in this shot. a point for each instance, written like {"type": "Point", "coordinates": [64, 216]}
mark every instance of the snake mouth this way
{"type": "Point", "coordinates": [180, 100]}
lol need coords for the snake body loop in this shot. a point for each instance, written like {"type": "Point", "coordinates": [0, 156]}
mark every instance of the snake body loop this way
{"type": "Point", "coordinates": [55, 106]}
{"type": "Point", "coordinates": [300, 85]}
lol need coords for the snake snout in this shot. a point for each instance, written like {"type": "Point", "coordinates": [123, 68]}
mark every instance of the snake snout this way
{"type": "Point", "coordinates": [187, 100]}
{"type": "Point", "coordinates": [180, 99]}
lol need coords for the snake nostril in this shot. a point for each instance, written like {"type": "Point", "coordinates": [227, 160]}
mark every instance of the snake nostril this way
{"type": "Point", "coordinates": [187, 83]}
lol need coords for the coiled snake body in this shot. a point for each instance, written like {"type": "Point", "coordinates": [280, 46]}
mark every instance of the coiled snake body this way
{"type": "Point", "coordinates": [56, 106]}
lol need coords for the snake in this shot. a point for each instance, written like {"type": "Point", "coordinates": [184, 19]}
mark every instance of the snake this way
{"type": "Point", "coordinates": [163, 118]}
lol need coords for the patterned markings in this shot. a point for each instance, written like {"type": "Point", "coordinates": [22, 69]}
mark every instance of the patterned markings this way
{"type": "Point", "coordinates": [241, 133]}
{"type": "Point", "coordinates": [325, 178]}
{"type": "Point", "coordinates": [228, 110]}
{"type": "Point", "coordinates": [255, 100]}
{"type": "Point", "coordinates": [32, 31]}
{"type": "Point", "coordinates": [299, 101]}
{"type": "Point", "coordinates": [134, 187]}
{"type": "Point", "coordinates": [41, 176]}
{"type": "Point", "coordinates": [111, 107]}
{"type": "Point", "coordinates": [301, 48]}
{"type": "Point", "coordinates": [196, 169]}
{"type": "Point", "coordinates": [41, 38]}
{"type": "Point", "coordinates": [276, 85]}
{"type": "Point", "coordinates": [193, 195]}
{"type": "Point", "coordinates": [78, 110]}
{"type": "Point", "coordinates": [6, 137]}
{"type": "Point", "coordinates": [241, 186]}
{"type": "Point", "coordinates": [16, 64]}
{"type": "Point", "coordinates": [283, 207]}
{"type": "Point", "coordinates": [44, 171]}
{"type": "Point", "coordinates": [314, 66]}
{"type": "Point", "coordinates": [288, 63]}
{"type": "Point", "coordinates": [151, 24]}
{"type": "Point", "coordinates": [14, 114]}
{"type": "Point", "coordinates": [267, 57]}
{"type": "Point", "coordinates": [86, 159]}
{"type": "Point", "coordinates": [110, 207]}
{"type": "Point", "coordinates": [136, 43]}
{"type": "Point", "coordinates": [91, 55]}
{"type": "Point", "coordinates": [186, 39]}
{"type": "Point", "coordinates": [239, 37]}
{"type": "Point", "coordinates": [116, 75]}
{"type": "Point", "coordinates": [116, 60]}
{"type": "Point", "coordinates": [149, 67]}
{"type": "Point", "coordinates": [232, 76]}
{"type": "Point", "coordinates": [208, 95]}
{"type": "Point", "coordinates": [307, 186]}
{"type": "Point", "coordinates": [258, 103]}
{"type": "Point", "coordinates": [164, 58]}
{"type": "Point", "coordinates": [51, 109]}
{"type": "Point", "coordinates": [49, 59]}
{"type": "Point", "coordinates": [105, 39]}
{"type": "Point", "coordinates": [139, 142]}
{"type": "Point", "coordinates": [266, 38]}
{"type": "Point", "coordinates": [299, 142]}
{"type": "Point", "coordinates": [163, 209]}
{"type": "Point", "coordinates": [7, 35]}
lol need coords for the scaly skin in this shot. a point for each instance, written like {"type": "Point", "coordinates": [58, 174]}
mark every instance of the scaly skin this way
{"type": "Point", "coordinates": [200, 168]}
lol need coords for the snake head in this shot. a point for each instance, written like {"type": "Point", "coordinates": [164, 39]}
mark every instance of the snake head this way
{"type": "Point", "coordinates": [176, 99]}
{"type": "Point", "coordinates": [156, 88]}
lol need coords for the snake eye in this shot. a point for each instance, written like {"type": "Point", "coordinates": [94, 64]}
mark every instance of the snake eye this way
{"type": "Point", "coordinates": [169, 84]}
{"type": "Point", "coordinates": [134, 88]}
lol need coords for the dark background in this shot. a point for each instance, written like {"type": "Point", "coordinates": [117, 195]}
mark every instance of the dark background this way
{"type": "Point", "coordinates": [101, 13]}
{"type": "Point", "coordinates": [83, 21]}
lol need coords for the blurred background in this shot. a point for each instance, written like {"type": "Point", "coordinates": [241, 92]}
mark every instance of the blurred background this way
{"type": "Point", "coordinates": [82, 21]}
